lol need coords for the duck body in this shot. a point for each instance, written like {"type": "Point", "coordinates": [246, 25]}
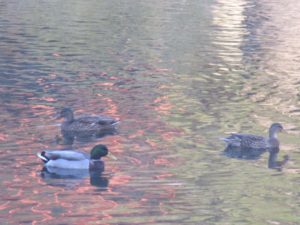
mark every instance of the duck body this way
{"type": "Point", "coordinates": [66, 159]}
{"type": "Point", "coordinates": [244, 153]}
{"type": "Point", "coordinates": [85, 126]}
{"type": "Point", "coordinates": [252, 146]}
{"type": "Point", "coordinates": [247, 141]}
{"type": "Point", "coordinates": [77, 160]}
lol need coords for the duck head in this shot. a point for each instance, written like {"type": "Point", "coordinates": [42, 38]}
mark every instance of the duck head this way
{"type": "Point", "coordinates": [98, 151]}
{"type": "Point", "coordinates": [67, 114]}
{"type": "Point", "coordinates": [274, 129]}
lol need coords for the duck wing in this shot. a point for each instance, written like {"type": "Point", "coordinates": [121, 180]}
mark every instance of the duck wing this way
{"type": "Point", "coordinates": [248, 137]}
{"type": "Point", "coordinates": [63, 154]}
{"type": "Point", "coordinates": [252, 141]}
{"type": "Point", "coordinates": [97, 120]}
{"type": "Point", "coordinates": [246, 140]}
{"type": "Point", "coordinates": [233, 139]}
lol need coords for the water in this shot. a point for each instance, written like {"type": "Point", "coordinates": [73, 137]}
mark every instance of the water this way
{"type": "Point", "coordinates": [179, 75]}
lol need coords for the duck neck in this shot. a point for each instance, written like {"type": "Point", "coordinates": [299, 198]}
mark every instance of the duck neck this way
{"type": "Point", "coordinates": [96, 164]}
{"type": "Point", "coordinates": [272, 134]}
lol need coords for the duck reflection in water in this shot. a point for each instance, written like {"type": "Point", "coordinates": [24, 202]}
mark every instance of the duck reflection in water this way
{"type": "Point", "coordinates": [273, 163]}
{"type": "Point", "coordinates": [249, 146]}
{"type": "Point", "coordinates": [69, 139]}
{"type": "Point", "coordinates": [84, 128]}
{"type": "Point", "coordinates": [71, 177]}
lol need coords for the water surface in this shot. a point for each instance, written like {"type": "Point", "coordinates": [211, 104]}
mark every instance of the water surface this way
{"type": "Point", "coordinates": [179, 75]}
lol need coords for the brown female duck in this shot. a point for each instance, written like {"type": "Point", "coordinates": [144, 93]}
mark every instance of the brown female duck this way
{"type": "Point", "coordinates": [85, 125]}
{"type": "Point", "coordinates": [249, 146]}
{"type": "Point", "coordinates": [255, 141]}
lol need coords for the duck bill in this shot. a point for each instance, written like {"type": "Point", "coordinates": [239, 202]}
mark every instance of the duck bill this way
{"type": "Point", "coordinates": [111, 156]}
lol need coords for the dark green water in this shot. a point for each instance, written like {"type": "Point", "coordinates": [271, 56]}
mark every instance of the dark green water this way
{"type": "Point", "coordinates": [179, 75]}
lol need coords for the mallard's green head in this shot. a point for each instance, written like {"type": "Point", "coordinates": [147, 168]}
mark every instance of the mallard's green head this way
{"type": "Point", "coordinates": [99, 151]}
{"type": "Point", "coordinates": [66, 113]}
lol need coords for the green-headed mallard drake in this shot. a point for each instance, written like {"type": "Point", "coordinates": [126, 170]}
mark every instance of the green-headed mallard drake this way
{"type": "Point", "coordinates": [85, 125]}
{"type": "Point", "coordinates": [255, 142]}
{"type": "Point", "coordinates": [70, 159]}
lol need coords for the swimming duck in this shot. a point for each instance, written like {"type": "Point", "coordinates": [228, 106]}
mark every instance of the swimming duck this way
{"type": "Point", "coordinates": [255, 142]}
{"type": "Point", "coordinates": [70, 159]}
{"type": "Point", "coordinates": [85, 126]}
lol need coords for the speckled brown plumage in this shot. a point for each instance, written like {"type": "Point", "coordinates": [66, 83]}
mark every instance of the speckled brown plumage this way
{"type": "Point", "coordinates": [255, 141]}
{"type": "Point", "coordinates": [85, 125]}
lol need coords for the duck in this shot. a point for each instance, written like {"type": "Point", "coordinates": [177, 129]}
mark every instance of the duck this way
{"type": "Point", "coordinates": [74, 159]}
{"type": "Point", "coordinates": [255, 141]}
{"type": "Point", "coordinates": [85, 126]}
{"type": "Point", "coordinates": [251, 146]}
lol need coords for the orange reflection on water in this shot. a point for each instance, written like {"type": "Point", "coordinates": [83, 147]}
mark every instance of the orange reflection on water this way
{"type": "Point", "coordinates": [43, 107]}
{"type": "Point", "coordinates": [3, 137]}
{"type": "Point", "coordinates": [169, 136]}
{"type": "Point", "coordinates": [119, 180]}
{"type": "Point", "coordinates": [76, 201]}
{"type": "Point", "coordinates": [112, 109]}
{"type": "Point", "coordinates": [162, 105]}
{"type": "Point", "coordinates": [46, 99]}
{"type": "Point", "coordinates": [163, 176]}
{"type": "Point", "coordinates": [152, 143]}
{"type": "Point", "coordinates": [4, 205]}
{"type": "Point", "coordinates": [134, 161]}
{"type": "Point", "coordinates": [138, 133]}
{"type": "Point", "coordinates": [162, 161]}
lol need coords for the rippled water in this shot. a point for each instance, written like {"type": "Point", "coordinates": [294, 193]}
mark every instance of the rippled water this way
{"type": "Point", "coordinates": [179, 75]}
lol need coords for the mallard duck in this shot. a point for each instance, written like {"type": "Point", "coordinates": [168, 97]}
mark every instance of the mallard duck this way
{"type": "Point", "coordinates": [70, 159]}
{"type": "Point", "coordinates": [254, 141]}
{"type": "Point", "coordinates": [249, 146]}
{"type": "Point", "coordinates": [85, 126]}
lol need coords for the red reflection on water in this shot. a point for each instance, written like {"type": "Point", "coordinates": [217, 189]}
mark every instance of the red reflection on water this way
{"type": "Point", "coordinates": [152, 143]}
{"type": "Point", "coordinates": [169, 136]}
{"type": "Point", "coordinates": [162, 161]}
{"type": "Point", "coordinates": [113, 107]}
{"type": "Point", "coordinates": [162, 105]}
{"type": "Point", "coordinates": [46, 99]}
{"type": "Point", "coordinates": [3, 137]}
{"type": "Point", "coordinates": [119, 180]}
{"type": "Point", "coordinates": [163, 176]}
{"type": "Point", "coordinates": [134, 161]}
{"type": "Point", "coordinates": [4, 205]}
{"type": "Point", "coordinates": [42, 107]}
{"type": "Point", "coordinates": [138, 133]}
{"type": "Point", "coordinates": [76, 201]}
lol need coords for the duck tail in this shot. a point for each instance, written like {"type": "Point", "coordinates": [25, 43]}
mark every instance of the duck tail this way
{"type": "Point", "coordinates": [227, 140]}
{"type": "Point", "coordinates": [42, 156]}
{"type": "Point", "coordinates": [232, 140]}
